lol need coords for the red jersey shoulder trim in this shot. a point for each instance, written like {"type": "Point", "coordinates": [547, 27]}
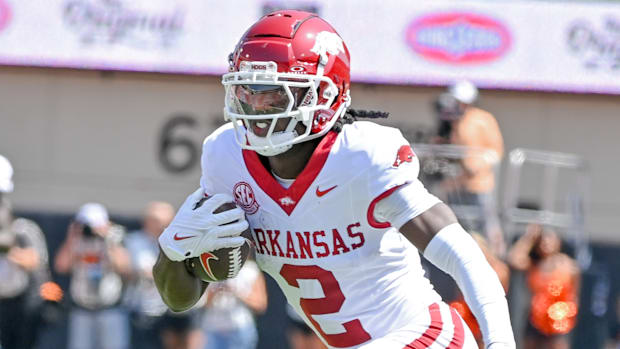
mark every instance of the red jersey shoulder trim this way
{"type": "Point", "coordinates": [370, 214]}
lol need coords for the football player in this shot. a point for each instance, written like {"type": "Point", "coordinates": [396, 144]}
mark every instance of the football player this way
{"type": "Point", "coordinates": [334, 205]}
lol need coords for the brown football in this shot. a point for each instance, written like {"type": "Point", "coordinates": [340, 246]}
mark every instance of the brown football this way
{"type": "Point", "coordinates": [220, 264]}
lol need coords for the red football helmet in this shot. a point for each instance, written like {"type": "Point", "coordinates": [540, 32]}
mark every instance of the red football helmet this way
{"type": "Point", "coordinates": [289, 65]}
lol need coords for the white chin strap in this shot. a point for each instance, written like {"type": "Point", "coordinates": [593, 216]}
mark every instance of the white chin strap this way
{"type": "Point", "coordinates": [267, 144]}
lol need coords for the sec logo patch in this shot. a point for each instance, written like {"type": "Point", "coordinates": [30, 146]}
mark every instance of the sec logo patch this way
{"type": "Point", "coordinates": [245, 198]}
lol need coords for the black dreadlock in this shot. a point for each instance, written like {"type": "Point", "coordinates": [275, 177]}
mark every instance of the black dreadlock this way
{"type": "Point", "coordinates": [351, 115]}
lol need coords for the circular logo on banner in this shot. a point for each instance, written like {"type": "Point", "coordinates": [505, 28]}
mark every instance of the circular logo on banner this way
{"type": "Point", "coordinates": [5, 14]}
{"type": "Point", "coordinates": [458, 37]}
{"type": "Point", "coordinates": [244, 197]}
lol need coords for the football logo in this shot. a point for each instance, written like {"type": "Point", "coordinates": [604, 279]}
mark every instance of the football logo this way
{"type": "Point", "coordinates": [245, 198]}
{"type": "Point", "coordinates": [405, 154]}
{"type": "Point", "coordinates": [204, 260]}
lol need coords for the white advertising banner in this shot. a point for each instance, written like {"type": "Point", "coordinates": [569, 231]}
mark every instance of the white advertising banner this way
{"type": "Point", "coordinates": [181, 36]}
{"type": "Point", "coordinates": [531, 45]}
{"type": "Point", "coordinates": [534, 45]}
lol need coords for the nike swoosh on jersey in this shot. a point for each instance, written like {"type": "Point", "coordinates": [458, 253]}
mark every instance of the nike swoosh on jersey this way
{"type": "Point", "coordinates": [320, 193]}
{"type": "Point", "coordinates": [177, 237]}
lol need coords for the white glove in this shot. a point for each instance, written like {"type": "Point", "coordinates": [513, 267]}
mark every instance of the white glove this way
{"type": "Point", "coordinates": [196, 229]}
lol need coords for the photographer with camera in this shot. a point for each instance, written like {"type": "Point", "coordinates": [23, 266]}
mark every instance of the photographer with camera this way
{"type": "Point", "coordinates": [23, 268]}
{"type": "Point", "coordinates": [461, 123]}
{"type": "Point", "coordinates": [99, 264]}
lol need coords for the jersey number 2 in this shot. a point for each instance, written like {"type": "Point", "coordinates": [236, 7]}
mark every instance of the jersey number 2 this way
{"type": "Point", "coordinates": [354, 333]}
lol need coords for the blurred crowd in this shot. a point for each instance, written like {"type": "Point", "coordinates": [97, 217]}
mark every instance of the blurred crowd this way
{"type": "Point", "coordinates": [111, 300]}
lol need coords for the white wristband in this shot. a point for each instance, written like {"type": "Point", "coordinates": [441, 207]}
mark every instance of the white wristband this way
{"type": "Point", "coordinates": [455, 252]}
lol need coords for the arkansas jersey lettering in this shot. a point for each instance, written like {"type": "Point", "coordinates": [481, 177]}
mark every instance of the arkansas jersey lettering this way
{"type": "Point", "coordinates": [308, 244]}
{"type": "Point", "coordinates": [404, 154]}
{"type": "Point", "coordinates": [349, 279]}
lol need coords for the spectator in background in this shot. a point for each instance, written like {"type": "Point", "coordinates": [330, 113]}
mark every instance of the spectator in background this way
{"type": "Point", "coordinates": [461, 123]}
{"type": "Point", "coordinates": [94, 255]}
{"type": "Point", "coordinates": [23, 269]}
{"type": "Point", "coordinates": [553, 279]}
{"type": "Point", "coordinates": [152, 324]}
{"type": "Point", "coordinates": [228, 322]}
{"type": "Point", "coordinates": [143, 300]}
{"type": "Point", "coordinates": [446, 109]}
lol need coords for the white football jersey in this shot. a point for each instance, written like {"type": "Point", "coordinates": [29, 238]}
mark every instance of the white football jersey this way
{"type": "Point", "coordinates": [352, 278]}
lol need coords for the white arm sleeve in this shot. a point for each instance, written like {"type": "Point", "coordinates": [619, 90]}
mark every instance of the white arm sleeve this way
{"type": "Point", "coordinates": [455, 252]}
{"type": "Point", "coordinates": [404, 204]}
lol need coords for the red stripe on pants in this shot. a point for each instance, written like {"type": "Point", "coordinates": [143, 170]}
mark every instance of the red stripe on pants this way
{"type": "Point", "coordinates": [459, 333]}
{"type": "Point", "coordinates": [432, 332]}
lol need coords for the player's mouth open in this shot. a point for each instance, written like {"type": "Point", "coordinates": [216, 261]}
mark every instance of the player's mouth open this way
{"type": "Point", "coordinates": [260, 127]}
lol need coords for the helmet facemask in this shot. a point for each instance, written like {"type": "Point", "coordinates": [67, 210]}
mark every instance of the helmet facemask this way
{"type": "Point", "coordinates": [258, 96]}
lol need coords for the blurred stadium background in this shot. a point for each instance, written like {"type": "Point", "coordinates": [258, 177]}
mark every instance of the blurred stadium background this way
{"type": "Point", "coordinates": [109, 100]}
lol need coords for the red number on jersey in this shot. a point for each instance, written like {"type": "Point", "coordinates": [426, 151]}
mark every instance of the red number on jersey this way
{"type": "Point", "coordinates": [332, 302]}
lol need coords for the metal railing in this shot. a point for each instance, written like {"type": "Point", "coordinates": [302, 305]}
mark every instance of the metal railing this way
{"type": "Point", "coordinates": [554, 165]}
{"type": "Point", "coordinates": [441, 163]}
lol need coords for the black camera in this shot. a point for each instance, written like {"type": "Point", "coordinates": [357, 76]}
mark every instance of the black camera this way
{"type": "Point", "coordinates": [88, 232]}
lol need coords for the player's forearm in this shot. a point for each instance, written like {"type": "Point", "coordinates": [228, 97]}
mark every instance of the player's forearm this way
{"type": "Point", "coordinates": [456, 253]}
{"type": "Point", "coordinates": [178, 288]}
